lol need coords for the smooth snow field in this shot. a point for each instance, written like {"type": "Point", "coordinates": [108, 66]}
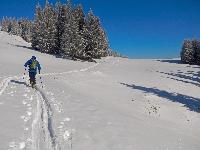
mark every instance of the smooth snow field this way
{"type": "Point", "coordinates": [114, 104]}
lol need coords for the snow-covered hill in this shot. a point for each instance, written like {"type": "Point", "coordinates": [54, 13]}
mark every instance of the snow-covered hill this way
{"type": "Point", "coordinates": [115, 104]}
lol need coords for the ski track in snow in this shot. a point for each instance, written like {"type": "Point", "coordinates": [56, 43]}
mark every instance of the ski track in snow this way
{"type": "Point", "coordinates": [42, 135]}
{"type": "Point", "coordinates": [73, 71]}
{"type": "Point", "coordinates": [5, 82]}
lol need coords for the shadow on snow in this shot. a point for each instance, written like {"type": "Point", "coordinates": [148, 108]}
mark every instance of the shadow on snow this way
{"type": "Point", "coordinates": [192, 79]}
{"type": "Point", "coordinates": [19, 82]}
{"type": "Point", "coordinates": [192, 103]}
{"type": "Point", "coordinates": [172, 61]}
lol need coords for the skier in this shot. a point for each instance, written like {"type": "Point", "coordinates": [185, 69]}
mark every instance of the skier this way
{"type": "Point", "coordinates": [33, 65]}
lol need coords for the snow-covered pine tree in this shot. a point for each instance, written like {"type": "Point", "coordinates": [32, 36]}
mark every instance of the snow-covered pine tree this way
{"type": "Point", "coordinates": [80, 17]}
{"type": "Point", "coordinates": [5, 24]}
{"type": "Point", "coordinates": [61, 20]}
{"type": "Point", "coordinates": [14, 27]}
{"type": "Point", "coordinates": [66, 35]}
{"type": "Point", "coordinates": [97, 40]}
{"type": "Point", "coordinates": [25, 26]}
{"type": "Point", "coordinates": [188, 53]}
{"type": "Point", "coordinates": [37, 29]}
{"type": "Point", "coordinates": [103, 43]}
{"type": "Point", "coordinates": [79, 31]}
{"type": "Point", "coordinates": [196, 48]}
{"type": "Point", "coordinates": [198, 53]}
{"type": "Point", "coordinates": [50, 30]}
{"type": "Point", "coordinates": [72, 42]}
{"type": "Point", "coordinates": [91, 25]}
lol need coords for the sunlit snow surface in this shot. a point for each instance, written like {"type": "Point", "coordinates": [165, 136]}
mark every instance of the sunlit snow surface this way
{"type": "Point", "coordinates": [114, 104]}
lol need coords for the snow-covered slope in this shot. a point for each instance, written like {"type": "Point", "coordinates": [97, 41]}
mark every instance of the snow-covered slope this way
{"type": "Point", "coordinates": [115, 104]}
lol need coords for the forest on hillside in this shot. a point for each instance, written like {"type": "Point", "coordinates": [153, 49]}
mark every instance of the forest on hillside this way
{"type": "Point", "coordinates": [63, 30]}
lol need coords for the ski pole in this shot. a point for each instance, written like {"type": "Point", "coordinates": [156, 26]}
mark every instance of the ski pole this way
{"type": "Point", "coordinates": [41, 80]}
{"type": "Point", "coordinates": [24, 73]}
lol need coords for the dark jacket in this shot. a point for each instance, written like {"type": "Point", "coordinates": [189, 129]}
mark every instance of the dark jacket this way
{"type": "Point", "coordinates": [32, 62]}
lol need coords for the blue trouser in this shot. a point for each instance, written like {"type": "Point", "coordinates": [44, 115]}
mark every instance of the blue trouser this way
{"type": "Point", "coordinates": [32, 77]}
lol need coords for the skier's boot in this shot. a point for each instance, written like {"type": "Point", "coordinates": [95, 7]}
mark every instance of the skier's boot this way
{"type": "Point", "coordinates": [32, 82]}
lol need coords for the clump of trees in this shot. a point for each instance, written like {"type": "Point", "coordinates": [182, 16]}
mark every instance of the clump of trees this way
{"type": "Point", "coordinates": [21, 27]}
{"type": "Point", "coordinates": [62, 29]}
{"type": "Point", "coordinates": [116, 54]}
{"type": "Point", "coordinates": [191, 52]}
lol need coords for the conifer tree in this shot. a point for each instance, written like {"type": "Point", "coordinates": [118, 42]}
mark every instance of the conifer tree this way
{"type": "Point", "coordinates": [72, 42]}
{"type": "Point", "coordinates": [61, 20]}
{"type": "Point", "coordinates": [97, 40]}
{"type": "Point", "coordinates": [188, 53]}
{"type": "Point", "coordinates": [196, 49]}
{"type": "Point", "coordinates": [5, 24]}
{"type": "Point", "coordinates": [79, 17]}
{"type": "Point", "coordinates": [65, 42]}
{"type": "Point", "coordinates": [38, 28]}
{"type": "Point", "coordinates": [25, 26]}
{"type": "Point", "coordinates": [79, 31]}
{"type": "Point", "coordinates": [15, 28]}
{"type": "Point", "coordinates": [50, 30]}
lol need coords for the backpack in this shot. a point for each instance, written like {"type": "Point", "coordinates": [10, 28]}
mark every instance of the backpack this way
{"type": "Point", "coordinates": [33, 64]}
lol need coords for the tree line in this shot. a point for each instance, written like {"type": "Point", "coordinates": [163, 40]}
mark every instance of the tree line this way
{"type": "Point", "coordinates": [21, 27]}
{"type": "Point", "coordinates": [190, 52]}
{"type": "Point", "coordinates": [62, 29]}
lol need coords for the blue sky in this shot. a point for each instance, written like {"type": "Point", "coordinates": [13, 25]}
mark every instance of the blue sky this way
{"type": "Point", "coordinates": [136, 28]}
